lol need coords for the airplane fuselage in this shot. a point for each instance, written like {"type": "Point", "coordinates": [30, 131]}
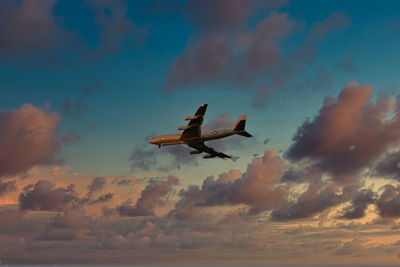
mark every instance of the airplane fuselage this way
{"type": "Point", "coordinates": [194, 137]}
{"type": "Point", "coordinates": [175, 139]}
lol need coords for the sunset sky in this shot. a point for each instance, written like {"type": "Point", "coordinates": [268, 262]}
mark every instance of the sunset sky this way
{"type": "Point", "coordinates": [85, 84]}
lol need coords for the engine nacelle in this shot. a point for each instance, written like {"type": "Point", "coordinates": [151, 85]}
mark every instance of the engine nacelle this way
{"type": "Point", "coordinates": [195, 152]}
{"type": "Point", "coordinates": [208, 156]}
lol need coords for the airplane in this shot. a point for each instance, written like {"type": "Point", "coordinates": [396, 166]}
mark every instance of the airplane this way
{"type": "Point", "coordinates": [194, 137]}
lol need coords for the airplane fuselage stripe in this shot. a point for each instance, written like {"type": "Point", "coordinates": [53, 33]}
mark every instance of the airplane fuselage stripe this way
{"type": "Point", "coordinates": [174, 139]}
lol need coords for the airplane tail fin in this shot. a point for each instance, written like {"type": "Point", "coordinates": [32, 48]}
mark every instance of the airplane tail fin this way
{"type": "Point", "coordinates": [239, 126]}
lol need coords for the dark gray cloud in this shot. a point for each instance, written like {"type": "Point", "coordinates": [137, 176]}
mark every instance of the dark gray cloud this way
{"type": "Point", "coordinates": [44, 196]}
{"type": "Point", "coordinates": [144, 159]}
{"type": "Point", "coordinates": [295, 175]}
{"type": "Point", "coordinates": [389, 166]}
{"type": "Point", "coordinates": [388, 202]}
{"type": "Point", "coordinates": [122, 181]}
{"type": "Point", "coordinates": [359, 205]}
{"type": "Point", "coordinates": [71, 137]}
{"type": "Point", "coordinates": [151, 197]}
{"type": "Point", "coordinates": [7, 187]}
{"type": "Point", "coordinates": [97, 184]}
{"type": "Point", "coordinates": [317, 198]}
{"type": "Point", "coordinates": [103, 198]}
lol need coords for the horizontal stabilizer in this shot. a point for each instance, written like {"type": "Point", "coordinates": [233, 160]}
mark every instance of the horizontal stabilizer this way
{"type": "Point", "coordinates": [244, 133]}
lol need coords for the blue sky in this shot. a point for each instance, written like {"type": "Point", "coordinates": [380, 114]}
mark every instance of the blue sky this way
{"type": "Point", "coordinates": [130, 104]}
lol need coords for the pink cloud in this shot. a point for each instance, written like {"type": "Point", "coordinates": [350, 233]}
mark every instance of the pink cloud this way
{"type": "Point", "coordinates": [29, 26]}
{"type": "Point", "coordinates": [348, 134]}
{"type": "Point", "coordinates": [28, 138]}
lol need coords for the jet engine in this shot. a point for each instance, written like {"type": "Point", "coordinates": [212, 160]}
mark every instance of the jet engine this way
{"type": "Point", "coordinates": [195, 152]}
{"type": "Point", "coordinates": [208, 156]}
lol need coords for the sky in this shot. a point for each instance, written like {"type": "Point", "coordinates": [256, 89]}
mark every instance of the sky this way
{"type": "Point", "coordinates": [85, 84]}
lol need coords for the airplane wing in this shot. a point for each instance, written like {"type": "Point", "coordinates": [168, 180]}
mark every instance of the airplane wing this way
{"type": "Point", "coordinates": [192, 131]}
{"type": "Point", "coordinates": [200, 146]}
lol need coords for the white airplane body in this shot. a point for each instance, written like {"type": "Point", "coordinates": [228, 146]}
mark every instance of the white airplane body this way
{"type": "Point", "coordinates": [194, 137]}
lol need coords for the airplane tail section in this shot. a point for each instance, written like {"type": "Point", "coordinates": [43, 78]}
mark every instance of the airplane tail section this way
{"type": "Point", "coordinates": [239, 126]}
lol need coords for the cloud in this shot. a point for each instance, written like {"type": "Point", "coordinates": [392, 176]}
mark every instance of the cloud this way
{"type": "Point", "coordinates": [92, 88]}
{"type": "Point", "coordinates": [320, 80]}
{"type": "Point", "coordinates": [353, 247]}
{"type": "Point", "coordinates": [29, 26]}
{"type": "Point", "coordinates": [284, 74]}
{"type": "Point", "coordinates": [97, 184]}
{"type": "Point", "coordinates": [359, 204]}
{"type": "Point", "coordinates": [114, 26]}
{"type": "Point", "coordinates": [7, 187]}
{"type": "Point", "coordinates": [223, 44]}
{"type": "Point", "coordinates": [224, 15]}
{"type": "Point", "coordinates": [317, 198]}
{"type": "Point", "coordinates": [43, 196]}
{"type": "Point", "coordinates": [199, 63]}
{"type": "Point", "coordinates": [389, 166]}
{"type": "Point", "coordinates": [221, 122]}
{"type": "Point", "coordinates": [103, 198]}
{"type": "Point", "coordinates": [336, 20]}
{"type": "Point", "coordinates": [72, 224]}
{"type": "Point", "coordinates": [28, 137]}
{"type": "Point", "coordinates": [114, 242]}
{"type": "Point", "coordinates": [261, 46]}
{"type": "Point", "coordinates": [76, 107]}
{"type": "Point", "coordinates": [143, 159]}
{"type": "Point", "coordinates": [229, 177]}
{"type": "Point", "coordinates": [347, 64]}
{"type": "Point", "coordinates": [233, 52]}
{"type": "Point", "coordinates": [388, 203]}
{"type": "Point", "coordinates": [71, 137]}
{"type": "Point", "coordinates": [257, 188]}
{"type": "Point", "coordinates": [120, 181]}
{"type": "Point", "coordinates": [348, 134]}
{"type": "Point", "coordinates": [151, 197]}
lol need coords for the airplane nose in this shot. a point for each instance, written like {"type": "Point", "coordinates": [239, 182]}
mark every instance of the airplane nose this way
{"type": "Point", "coordinates": [152, 141]}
